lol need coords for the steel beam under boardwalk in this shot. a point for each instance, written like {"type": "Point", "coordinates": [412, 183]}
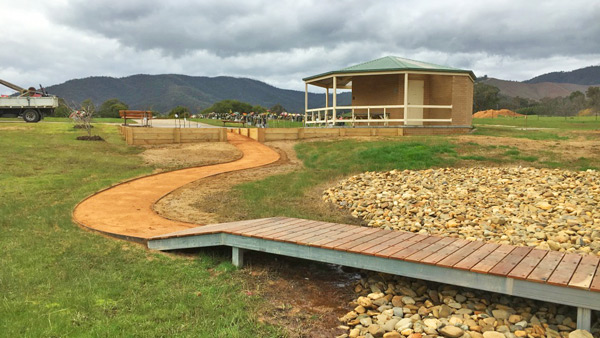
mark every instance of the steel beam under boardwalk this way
{"type": "Point", "coordinates": [584, 300]}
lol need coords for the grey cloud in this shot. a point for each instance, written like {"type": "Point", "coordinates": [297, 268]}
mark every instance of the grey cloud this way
{"type": "Point", "coordinates": [281, 42]}
{"type": "Point", "coordinates": [227, 28]}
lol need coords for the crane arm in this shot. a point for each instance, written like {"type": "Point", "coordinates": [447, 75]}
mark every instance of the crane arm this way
{"type": "Point", "coordinates": [12, 86]}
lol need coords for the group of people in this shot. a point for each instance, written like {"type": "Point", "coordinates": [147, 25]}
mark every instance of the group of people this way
{"type": "Point", "coordinates": [260, 120]}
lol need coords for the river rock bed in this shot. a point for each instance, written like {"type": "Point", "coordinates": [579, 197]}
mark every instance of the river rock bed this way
{"type": "Point", "coordinates": [549, 209]}
{"type": "Point", "coordinates": [392, 306]}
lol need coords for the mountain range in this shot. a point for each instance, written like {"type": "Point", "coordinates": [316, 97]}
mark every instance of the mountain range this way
{"type": "Point", "coordinates": [552, 85]}
{"type": "Point", "coordinates": [163, 92]}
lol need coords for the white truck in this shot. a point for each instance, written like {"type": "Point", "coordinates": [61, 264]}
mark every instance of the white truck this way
{"type": "Point", "coordinates": [31, 104]}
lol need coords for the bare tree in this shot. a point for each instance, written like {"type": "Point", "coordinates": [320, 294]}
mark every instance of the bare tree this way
{"type": "Point", "coordinates": [83, 116]}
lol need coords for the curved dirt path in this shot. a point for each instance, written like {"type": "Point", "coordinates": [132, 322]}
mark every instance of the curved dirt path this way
{"type": "Point", "coordinates": [125, 210]}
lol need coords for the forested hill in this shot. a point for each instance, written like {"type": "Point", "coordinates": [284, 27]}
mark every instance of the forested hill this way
{"type": "Point", "coordinates": [584, 76]}
{"type": "Point", "coordinates": [163, 92]}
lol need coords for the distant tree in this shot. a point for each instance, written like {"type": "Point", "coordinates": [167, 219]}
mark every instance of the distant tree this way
{"type": "Point", "coordinates": [181, 112]}
{"type": "Point", "coordinates": [277, 109]}
{"type": "Point", "coordinates": [485, 97]}
{"type": "Point", "coordinates": [111, 107]}
{"type": "Point", "coordinates": [577, 101]}
{"type": "Point", "coordinates": [259, 109]}
{"type": "Point", "coordinates": [226, 106]}
{"type": "Point", "coordinates": [63, 109]}
{"type": "Point", "coordinates": [88, 104]}
{"type": "Point", "coordinates": [593, 98]}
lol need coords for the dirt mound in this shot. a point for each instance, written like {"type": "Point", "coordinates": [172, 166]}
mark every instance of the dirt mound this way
{"type": "Point", "coordinates": [495, 113]}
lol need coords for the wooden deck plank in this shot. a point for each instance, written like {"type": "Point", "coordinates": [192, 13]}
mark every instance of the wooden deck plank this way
{"type": "Point", "coordinates": [337, 231]}
{"type": "Point", "coordinates": [213, 228]}
{"type": "Point", "coordinates": [291, 228]}
{"type": "Point", "coordinates": [596, 281]}
{"type": "Point", "coordinates": [303, 238]}
{"type": "Point", "coordinates": [343, 234]}
{"type": "Point", "coordinates": [477, 256]}
{"type": "Point", "coordinates": [403, 236]}
{"type": "Point", "coordinates": [529, 262]}
{"type": "Point", "coordinates": [445, 252]}
{"type": "Point", "coordinates": [291, 235]}
{"type": "Point", "coordinates": [404, 244]}
{"type": "Point", "coordinates": [493, 258]}
{"type": "Point", "coordinates": [261, 226]}
{"type": "Point", "coordinates": [510, 261]}
{"type": "Point", "coordinates": [546, 267]}
{"type": "Point", "coordinates": [386, 237]}
{"type": "Point", "coordinates": [421, 245]}
{"type": "Point", "coordinates": [363, 231]}
{"type": "Point", "coordinates": [565, 270]}
{"type": "Point", "coordinates": [583, 277]}
{"type": "Point", "coordinates": [460, 254]}
{"type": "Point", "coordinates": [289, 225]}
{"type": "Point", "coordinates": [430, 250]}
{"type": "Point", "coordinates": [256, 224]}
{"type": "Point", "coordinates": [360, 240]}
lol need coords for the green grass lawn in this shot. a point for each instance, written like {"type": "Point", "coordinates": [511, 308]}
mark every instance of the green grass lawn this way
{"type": "Point", "coordinates": [94, 120]}
{"type": "Point", "coordinates": [534, 121]}
{"type": "Point", "coordinates": [66, 119]}
{"type": "Point", "coordinates": [59, 280]}
{"type": "Point", "coordinates": [326, 162]}
{"type": "Point", "coordinates": [532, 134]}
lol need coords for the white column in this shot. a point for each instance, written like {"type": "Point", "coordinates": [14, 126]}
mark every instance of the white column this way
{"type": "Point", "coordinates": [305, 102]}
{"type": "Point", "coordinates": [334, 98]}
{"type": "Point", "coordinates": [237, 256]}
{"type": "Point", "coordinates": [327, 98]}
{"type": "Point", "coordinates": [584, 319]}
{"type": "Point", "coordinates": [405, 97]}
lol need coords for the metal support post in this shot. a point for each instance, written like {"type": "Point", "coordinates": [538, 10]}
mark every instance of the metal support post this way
{"type": "Point", "coordinates": [584, 318]}
{"type": "Point", "coordinates": [237, 256]}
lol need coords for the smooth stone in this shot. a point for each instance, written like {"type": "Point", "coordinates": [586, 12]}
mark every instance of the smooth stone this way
{"type": "Point", "coordinates": [404, 323]}
{"type": "Point", "coordinates": [522, 324]}
{"type": "Point", "coordinates": [445, 311]}
{"type": "Point", "coordinates": [464, 312]}
{"type": "Point", "coordinates": [580, 334]}
{"type": "Point", "coordinates": [364, 302]}
{"type": "Point", "coordinates": [366, 321]}
{"type": "Point", "coordinates": [521, 333]}
{"type": "Point", "coordinates": [393, 334]}
{"type": "Point", "coordinates": [376, 330]}
{"type": "Point", "coordinates": [451, 331]}
{"type": "Point", "coordinates": [431, 323]}
{"type": "Point", "coordinates": [390, 324]}
{"type": "Point", "coordinates": [406, 332]}
{"type": "Point", "coordinates": [500, 314]}
{"type": "Point", "coordinates": [493, 334]}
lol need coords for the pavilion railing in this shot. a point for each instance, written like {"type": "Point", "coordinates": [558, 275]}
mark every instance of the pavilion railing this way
{"type": "Point", "coordinates": [379, 114]}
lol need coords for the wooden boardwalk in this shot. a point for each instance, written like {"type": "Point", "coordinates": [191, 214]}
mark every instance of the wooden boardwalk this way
{"type": "Point", "coordinates": [552, 276]}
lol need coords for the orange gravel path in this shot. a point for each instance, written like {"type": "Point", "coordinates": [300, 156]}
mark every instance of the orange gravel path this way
{"type": "Point", "coordinates": [125, 210]}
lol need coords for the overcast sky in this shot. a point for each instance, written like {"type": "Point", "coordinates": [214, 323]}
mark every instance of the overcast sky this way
{"type": "Point", "coordinates": [281, 41]}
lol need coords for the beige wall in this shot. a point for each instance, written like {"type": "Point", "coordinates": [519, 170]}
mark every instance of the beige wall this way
{"type": "Point", "coordinates": [456, 90]}
{"type": "Point", "coordinates": [462, 100]}
{"type": "Point", "coordinates": [378, 90]}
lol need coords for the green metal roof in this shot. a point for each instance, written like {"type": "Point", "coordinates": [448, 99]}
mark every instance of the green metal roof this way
{"type": "Point", "coordinates": [393, 63]}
